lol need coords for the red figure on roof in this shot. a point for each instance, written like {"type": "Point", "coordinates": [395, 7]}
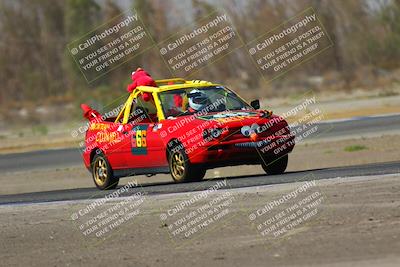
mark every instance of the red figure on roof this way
{"type": "Point", "coordinates": [140, 78]}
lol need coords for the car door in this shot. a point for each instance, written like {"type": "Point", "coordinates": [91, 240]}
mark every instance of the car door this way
{"type": "Point", "coordinates": [143, 147]}
{"type": "Point", "coordinates": [146, 147]}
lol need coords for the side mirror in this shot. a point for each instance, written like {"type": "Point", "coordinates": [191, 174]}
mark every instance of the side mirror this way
{"type": "Point", "coordinates": [255, 104]}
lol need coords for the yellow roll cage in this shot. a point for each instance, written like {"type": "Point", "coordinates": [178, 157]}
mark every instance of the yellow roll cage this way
{"type": "Point", "coordinates": [163, 85]}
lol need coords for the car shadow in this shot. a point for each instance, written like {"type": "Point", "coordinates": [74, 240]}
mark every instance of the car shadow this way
{"type": "Point", "coordinates": [150, 184]}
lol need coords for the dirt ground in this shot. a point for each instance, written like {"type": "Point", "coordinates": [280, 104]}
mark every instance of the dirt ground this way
{"type": "Point", "coordinates": [357, 224]}
{"type": "Point", "coordinates": [305, 156]}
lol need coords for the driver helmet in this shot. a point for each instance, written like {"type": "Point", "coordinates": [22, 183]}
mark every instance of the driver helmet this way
{"type": "Point", "coordinates": [198, 100]}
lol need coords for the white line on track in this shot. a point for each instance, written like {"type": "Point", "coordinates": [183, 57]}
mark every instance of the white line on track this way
{"type": "Point", "coordinates": [360, 118]}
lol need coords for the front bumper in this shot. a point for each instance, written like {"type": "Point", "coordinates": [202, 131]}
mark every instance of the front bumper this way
{"type": "Point", "coordinates": [242, 151]}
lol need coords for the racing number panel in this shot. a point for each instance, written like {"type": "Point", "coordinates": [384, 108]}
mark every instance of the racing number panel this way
{"type": "Point", "coordinates": [139, 140]}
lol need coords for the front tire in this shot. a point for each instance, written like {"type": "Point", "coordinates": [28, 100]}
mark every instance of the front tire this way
{"type": "Point", "coordinates": [181, 168]}
{"type": "Point", "coordinates": [277, 166]}
{"type": "Point", "coordinates": [102, 173]}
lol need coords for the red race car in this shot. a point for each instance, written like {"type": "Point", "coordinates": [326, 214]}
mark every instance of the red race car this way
{"type": "Point", "coordinates": [183, 128]}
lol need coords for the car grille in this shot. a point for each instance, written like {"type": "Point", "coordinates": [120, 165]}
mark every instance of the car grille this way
{"type": "Point", "coordinates": [258, 144]}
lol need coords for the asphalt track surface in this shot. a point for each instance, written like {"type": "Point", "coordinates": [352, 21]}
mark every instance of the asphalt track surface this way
{"type": "Point", "coordinates": [71, 157]}
{"type": "Point", "coordinates": [64, 158]}
{"type": "Point", "coordinates": [232, 182]}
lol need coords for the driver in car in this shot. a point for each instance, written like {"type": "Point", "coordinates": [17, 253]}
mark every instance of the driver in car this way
{"type": "Point", "coordinates": [198, 101]}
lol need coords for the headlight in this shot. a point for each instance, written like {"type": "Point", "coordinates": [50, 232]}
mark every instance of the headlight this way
{"type": "Point", "coordinates": [212, 133]}
{"type": "Point", "coordinates": [245, 130]}
{"type": "Point", "coordinates": [215, 133]}
{"type": "Point", "coordinates": [248, 130]}
{"type": "Point", "coordinates": [255, 128]}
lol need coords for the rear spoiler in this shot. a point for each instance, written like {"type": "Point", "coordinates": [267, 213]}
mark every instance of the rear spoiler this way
{"type": "Point", "coordinates": [90, 114]}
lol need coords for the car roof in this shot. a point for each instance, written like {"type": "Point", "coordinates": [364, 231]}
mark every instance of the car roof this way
{"type": "Point", "coordinates": [175, 84]}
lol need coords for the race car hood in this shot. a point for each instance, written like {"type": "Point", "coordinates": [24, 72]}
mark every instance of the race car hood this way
{"type": "Point", "coordinates": [237, 124]}
{"type": "Point", "coordinates": [233, 118]}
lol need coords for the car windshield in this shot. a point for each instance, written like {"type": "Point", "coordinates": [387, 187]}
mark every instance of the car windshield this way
{"type": "Point", "coordinates": [205, 99]}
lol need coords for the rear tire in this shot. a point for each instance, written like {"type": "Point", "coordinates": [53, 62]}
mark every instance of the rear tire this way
{"type": "Point", "coordinates": [181, 168]}
{"type": "Point", "coordinates": [102, 173]}
{"type": "Point", "coordinates": [277, 166]}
